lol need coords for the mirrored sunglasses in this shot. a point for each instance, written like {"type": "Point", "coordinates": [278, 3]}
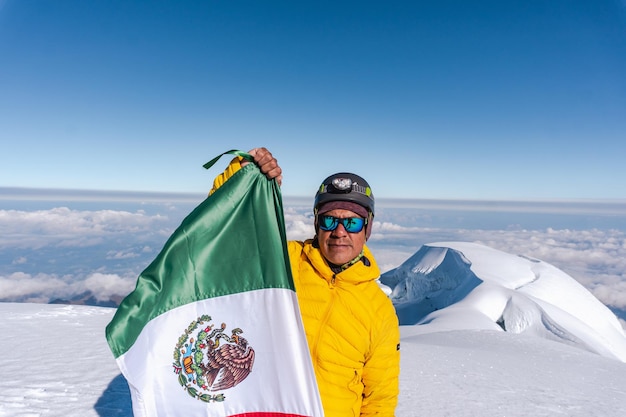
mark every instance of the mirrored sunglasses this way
{"type": "Point", "coordinates": [351, 224]}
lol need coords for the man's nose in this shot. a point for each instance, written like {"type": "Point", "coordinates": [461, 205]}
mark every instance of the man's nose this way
{"type": "Point", "coordinates": [340, 230]}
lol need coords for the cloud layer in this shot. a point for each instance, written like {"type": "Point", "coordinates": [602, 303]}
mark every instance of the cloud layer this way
{"type": "Point", "coordinates": [59, 252]}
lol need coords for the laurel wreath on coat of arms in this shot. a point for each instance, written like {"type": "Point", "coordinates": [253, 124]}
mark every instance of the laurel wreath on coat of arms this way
{"type": "Point", "coordinates": [209, 360]}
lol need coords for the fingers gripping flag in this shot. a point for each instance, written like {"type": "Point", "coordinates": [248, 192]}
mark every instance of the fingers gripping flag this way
{"type": "Point", "coordinates": [213, 326]}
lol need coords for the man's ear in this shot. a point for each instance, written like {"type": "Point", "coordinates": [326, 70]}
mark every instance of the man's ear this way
{"type": "Point", "coordinates": [315, 222]}
{"type": "Point", "coordinates": [369, 225]}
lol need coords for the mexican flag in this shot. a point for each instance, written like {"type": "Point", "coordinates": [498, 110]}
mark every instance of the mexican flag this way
{"type": "Point", "coordinates": [213, 326]}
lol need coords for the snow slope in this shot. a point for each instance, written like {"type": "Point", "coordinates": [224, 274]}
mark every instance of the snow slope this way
{"type": "Point", "coordinates": [460, 285]}
{"type": "Point", "coordinates": [557, 357]}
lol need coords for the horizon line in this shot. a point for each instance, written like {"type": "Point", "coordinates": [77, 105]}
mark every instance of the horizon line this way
{"type": "Point", "coordinates": [579, 205]}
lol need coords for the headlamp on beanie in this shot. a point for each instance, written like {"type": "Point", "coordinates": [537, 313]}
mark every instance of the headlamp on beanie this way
{"type": "Point", "coordinates": [342, 184]}
{"type": "Point", "coordinates": [345, 186]}
{"type": "Point", "coordinates": [346, 191]}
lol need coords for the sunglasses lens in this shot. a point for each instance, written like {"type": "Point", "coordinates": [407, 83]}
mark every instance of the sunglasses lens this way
{"type": "Point", "coordinates": [328, 222]}
{"type": "Point", "coordinates": [353, 224]}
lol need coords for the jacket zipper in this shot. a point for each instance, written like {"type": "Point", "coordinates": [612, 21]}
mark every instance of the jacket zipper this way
{"type": "Point", "coordinates": [325, 317]}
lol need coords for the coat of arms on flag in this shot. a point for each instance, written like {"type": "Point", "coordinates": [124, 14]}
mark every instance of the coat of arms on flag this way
{"type": "Point", "coordinates": [212, 360]}
{"type": "Point", "coordinates": [213, 326]}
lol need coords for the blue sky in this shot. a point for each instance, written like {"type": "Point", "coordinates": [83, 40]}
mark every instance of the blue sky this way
{"type": "Point", "coordinates": [425, 99]}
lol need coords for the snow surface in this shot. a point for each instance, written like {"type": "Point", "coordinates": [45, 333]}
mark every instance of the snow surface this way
{"type": "Point", "coordinates": [562, 353]}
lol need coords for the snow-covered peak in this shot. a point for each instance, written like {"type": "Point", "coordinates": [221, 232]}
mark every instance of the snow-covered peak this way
{"type": "Point", "coordinates": [460, 285]}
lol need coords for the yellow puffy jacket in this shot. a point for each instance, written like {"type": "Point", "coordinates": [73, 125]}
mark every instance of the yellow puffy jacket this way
{"type": "Point", "coordinates": [351, 329]}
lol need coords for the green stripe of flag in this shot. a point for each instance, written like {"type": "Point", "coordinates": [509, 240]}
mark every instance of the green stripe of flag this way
{"type": "Point", "coordinates": [214, 252]}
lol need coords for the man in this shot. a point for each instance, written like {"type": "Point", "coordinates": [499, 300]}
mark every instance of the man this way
{"type": "Point", "coordinates": [350, 324]}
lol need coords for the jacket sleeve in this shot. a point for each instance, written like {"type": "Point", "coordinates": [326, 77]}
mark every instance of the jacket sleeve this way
{"type": "Point", "coordinates": [234, 166]}
{"type": "Point", "coordinates": [382, 367]}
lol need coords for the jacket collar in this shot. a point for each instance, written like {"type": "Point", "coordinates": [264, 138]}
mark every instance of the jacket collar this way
{"type": "Point", "coordinates": [357, 273]}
